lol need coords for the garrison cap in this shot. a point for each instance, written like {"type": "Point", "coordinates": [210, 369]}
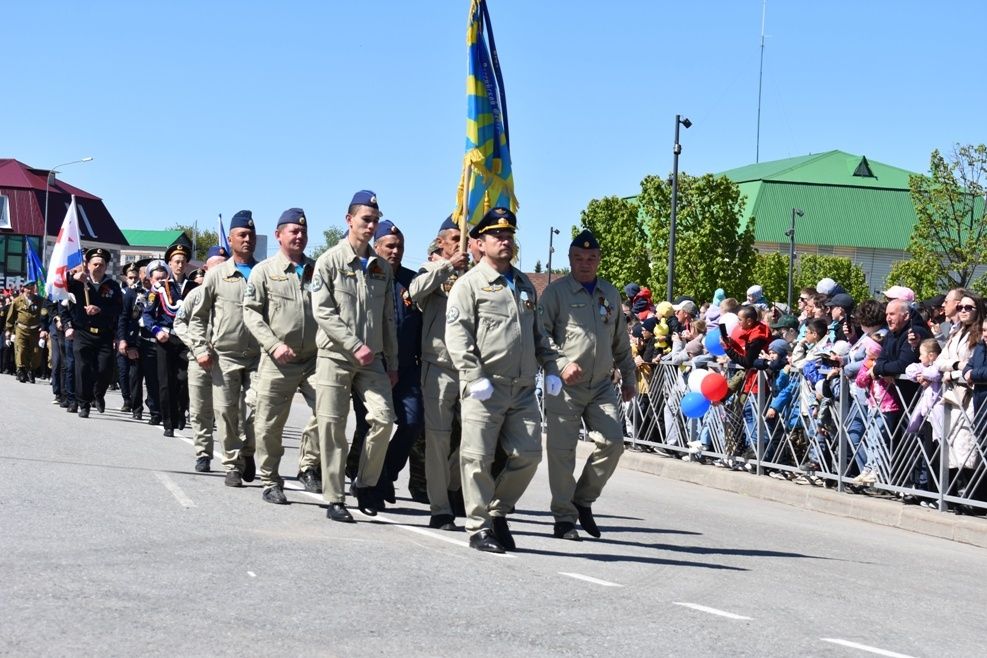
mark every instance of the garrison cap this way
{"type": "Point", "coordinates": [32, 282]}
{"type": "Point", "coordinates": [365, 198]}
{"type": "Point", "coordinates": [449, 223]}
{"type": "Point", "coordinates": [216, 251]}
{"type": "Point", "coordinates": [243, 219]}
{"type": "Point", "coordinates": [178, 249]}
{"type": "Point", "coordinates": [386, 227]}
{"type": "Point", "coordinates": [786, 322]}
{"type": "Point", "coordinates": [100, 252]}
{"type": "Point", "coordinates": [292, 216]}
{"type": "Point", "coordinates": [127, 269]}
{"type": "Point", "coordinates": [585, 240]}
{"type": "Point", "coordinates": [495, 219]}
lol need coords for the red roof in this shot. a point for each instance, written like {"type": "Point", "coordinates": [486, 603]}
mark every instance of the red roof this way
{"type": "Point", "coordinates": [25, 188]}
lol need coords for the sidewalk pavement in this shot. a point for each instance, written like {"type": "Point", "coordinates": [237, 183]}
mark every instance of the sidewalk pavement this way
{"type": "Point", "coordinates": [886, 511]}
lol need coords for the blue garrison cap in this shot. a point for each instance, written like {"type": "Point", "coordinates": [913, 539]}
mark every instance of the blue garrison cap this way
{"type": "Point", "coordinates": [293, 216]}
{"type": "Point", "coordinates": [448, 224]}
{"type": "Point", "coordinates": [216, 251]}
{"type": "Point", "coordinates": [386, 227]}
{"type": "Point", "coordinates": [243, 219]}
{"type": "Point", "coordinates": [365, 198]}
{"type": "Point", "coordinates": [585, 240]}
{"type": "Point", "coordinates": [32, 282]}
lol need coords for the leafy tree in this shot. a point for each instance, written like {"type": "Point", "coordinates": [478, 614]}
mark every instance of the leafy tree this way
{"type": "Point", "coordinates": [331, 236]}
{"type": "Point", "coordinates": [949, 240]}
{"type": "Point", "coordinates": [203, 239]}
{"type": "Point", "coordinates": [614, 222]}
{"type": "Point", "coordinates": [812, 268]}
{"type": "Point", "coordinates": [771, 273]}
{"type": "Point", "coordinates": [538, 267]}
{"type": "Point", "coordinates": [712, 249]}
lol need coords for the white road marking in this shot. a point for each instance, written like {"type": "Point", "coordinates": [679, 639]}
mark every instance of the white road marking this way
{"type": "Point", "coordinates": [251, 574]}
{"type": "Point", "coordinates": [589, 579]}
{"type": "Point", "coordinates": [864, 647]}
{"type": "Point", "coordinates": [175, 490]}
{"type": "Point", "coordinates": [712, 611]}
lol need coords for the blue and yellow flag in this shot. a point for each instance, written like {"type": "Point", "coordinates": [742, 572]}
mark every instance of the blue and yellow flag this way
{"type": "Point", "coordinates": [487, 181]}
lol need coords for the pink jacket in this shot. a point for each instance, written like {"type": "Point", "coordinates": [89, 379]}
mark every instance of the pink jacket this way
{"type": "Point", "coordinates": [879, 393]}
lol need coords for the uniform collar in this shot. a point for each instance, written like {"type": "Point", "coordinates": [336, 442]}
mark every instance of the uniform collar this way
{"type": "Point", "coordinates": [575, 286]}
{"type": "Point", "coordinates": [489, 273]}
{"type": "Point", "coordinates": [284, 264]}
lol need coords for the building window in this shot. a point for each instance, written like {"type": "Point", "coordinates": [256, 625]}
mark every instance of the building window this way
{"type": "Point", "coordinates": [4, 212]}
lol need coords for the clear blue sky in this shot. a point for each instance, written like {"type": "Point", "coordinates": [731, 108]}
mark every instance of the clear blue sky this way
{"type": "Point", "coordinates": [196, 108]}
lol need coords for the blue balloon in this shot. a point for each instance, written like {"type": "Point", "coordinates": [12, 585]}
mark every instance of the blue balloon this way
{"type": "Point", "coordinates": [694, 405]}
{"type": "Point", "coordinates": [712, 343]}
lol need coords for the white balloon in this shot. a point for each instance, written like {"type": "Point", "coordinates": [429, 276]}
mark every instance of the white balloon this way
{"type": "Point", "coordinates": [696, 378]}
{"type": "Point", "coordinates": [729, 320]}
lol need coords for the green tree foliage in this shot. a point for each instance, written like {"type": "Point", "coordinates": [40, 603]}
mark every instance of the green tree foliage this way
{"type": "Point", "coordinates": [614, 222]}
{"type": "Point", "coordinates": [203, 239]}
{"type": "Point", "coordinates": [812, 268]}
{"type": "Point", "coordinates": [949, 241]}
{"type": "Point", "coordinates": [330, 236]}
{"type": "Point", "coordinates": [712, 249]}
{"type": "Point", "coordinates": [771, 273]}
{"type": "Point", "coordinates": [538, 267]}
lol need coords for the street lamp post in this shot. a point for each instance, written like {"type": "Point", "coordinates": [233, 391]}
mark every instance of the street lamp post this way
{"type": "Point", "coordinates": [551, 250]}
{"type": "Point", "coordinates": [791, 253]}
{"type": "Point", "coordinates": [676, 150]}
{"type": "Point", "coordinates": [48, 181]}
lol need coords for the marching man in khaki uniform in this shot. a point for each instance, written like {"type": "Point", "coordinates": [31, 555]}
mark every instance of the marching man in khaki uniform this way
{"type": "Point", "coordinates": [584, 322]}
{"type": "Point", "coordinates": [440, 381]}
{"type": "Point", "coordinates": [27, 318]}
{"type": "Point", "coordinates": [277, 309]}
{"type": "Point", "coordinates": [496, 342]}
{"type": "Point", "coordinates": [353, 298]}
{"type": "Point", "coordinates": [231, 353]}
{"type": "Point", "coordinates": [199, 379]}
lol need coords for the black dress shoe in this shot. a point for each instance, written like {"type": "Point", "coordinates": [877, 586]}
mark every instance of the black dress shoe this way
{"type": "Point", "coordinates": [338, 512]}
{"type": "Point", "coordinates": [30, 376]}
{"type": "Point", "coordinates": [311, 483]}
{"type": "Point", "coordinates": [72, 407]}
{"type": "Point", "coordinates": [101, 404]}
{"type": "Point", "coordinates": [170, 433]}
{"type": "Point", "coordinates": [457, 503]}
{"type": "Point", "coordinates": [155, 419]}
{"type": "Point", "coordinates": [84, 411]}
{"type": "Point", "coordinates": [137, 414]}
{"type": "Point", "coordinates": [566, 530]}
{"type": "Point", "coordinates": [419, 496]}
{"type": "Point", "coordinates": [587, 521]}
{"type": "Point", "coordinates": [366, 500]}
{"type": "Point", "coordinates": [503, 533]}
{"type": "Point", "coordinates": [64, 403]}
{"type": "Point", "coordinates": [274, 495]}
{"type": "Point", "coordinates": [386, 490]}
{"type": "Point", "coordinates": [443, 522]}
{"type": "Point", "coordinates": [249, 469]}
{"type": "Point", "coordinates": [202, 464]}
{"type": "Point", "coordinates": [234, 479]}
{"type": "Point", "coordinates": [485, 541]}
{"type": "Point", "coordinates": [126, 408]}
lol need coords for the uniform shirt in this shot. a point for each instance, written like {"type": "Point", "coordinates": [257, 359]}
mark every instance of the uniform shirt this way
{"type": "Point", "coordinates": [27, 312]}
{"type": "Point", "coordinates": [106, 295]}
{"type": "Point", "coordinates": [587, 328]}
{"type": "Point", "coordinates": [128, 325]}
{"type": "Point", "coordinates": [354, 305]}
{"type": "Point", "coordinates": [408, 321]}
{"type": "Point", "coordinates": [221, 310]}
{"type": "Point", "coordinates": [162, 305]}
{"type": "Point", "coordinates": [493, 330]}
{"type": "Point", "coordinates": [277, 306]}
{"type": "Point", "coordinates": [430, 291]}
{"type": "Point", "coordinates": [189, 305]}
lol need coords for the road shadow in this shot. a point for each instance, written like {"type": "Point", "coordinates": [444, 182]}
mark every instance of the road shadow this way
{"type": "Point", "coordinates": [631, 558]}
{"type": "Point", "coordinates": [611, 528]}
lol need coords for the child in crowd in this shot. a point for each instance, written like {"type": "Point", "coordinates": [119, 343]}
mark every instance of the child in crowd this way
{"type": "Point", "coordinates": [975, 373]}
{"type": "Point", "coordinates": [881, 399]}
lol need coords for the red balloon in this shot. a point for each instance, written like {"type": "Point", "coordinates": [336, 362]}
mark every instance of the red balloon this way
{"type": "Point", "coordinates": [715, 387]}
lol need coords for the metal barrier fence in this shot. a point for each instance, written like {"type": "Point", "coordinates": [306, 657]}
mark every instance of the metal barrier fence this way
{"type": "Point", "coordinates": [929, 449]}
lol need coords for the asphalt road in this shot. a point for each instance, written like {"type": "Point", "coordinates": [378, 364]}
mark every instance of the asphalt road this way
{"type": "Point", "coordinates": [111, 544]}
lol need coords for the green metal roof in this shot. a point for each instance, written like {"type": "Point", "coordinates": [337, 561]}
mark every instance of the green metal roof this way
{"type": "Point", "coordinates": [163, 239]}
{"type": "Point", "coordinates": [830, 168]}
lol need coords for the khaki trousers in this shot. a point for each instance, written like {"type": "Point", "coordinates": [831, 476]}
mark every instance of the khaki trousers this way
{"type": "Point", "coordinates": [26, 351]}
{"type": "Point", "coordinates": [511, 419]}
{"type": "Point", "coordinates": [275, 385]}
{"type": "Point", "coordinates": [440, 391]}
{"type": "Point", "coordinates": [335, 382]}
{"type": "Point", "coordinates": [597, 406]}
{"type": "Point", "coordinates": [200, 409]}
{"type": "Point", "coordinates": [233, 404]}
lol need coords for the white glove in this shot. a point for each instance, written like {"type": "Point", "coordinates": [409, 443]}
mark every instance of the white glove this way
{"type": "Point", "coordinates": [553, 385]}
{"type": "Point", "coordinates": [481, 389]}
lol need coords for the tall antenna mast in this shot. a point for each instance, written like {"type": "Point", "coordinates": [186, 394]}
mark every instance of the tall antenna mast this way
{"type": "Point", "coordinates": [760, 81]}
